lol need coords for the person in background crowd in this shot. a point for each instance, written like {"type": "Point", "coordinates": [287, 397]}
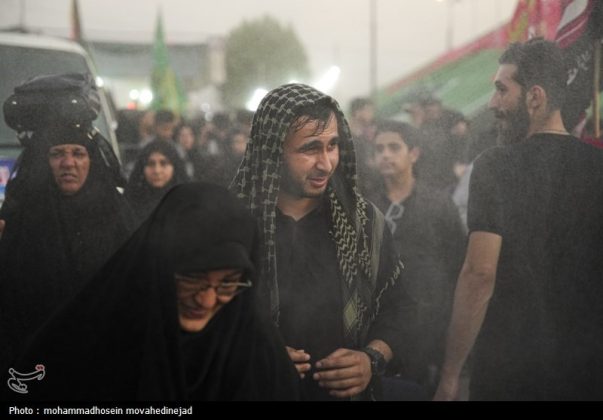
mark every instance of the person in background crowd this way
{"type": "Point", "coordinates": [165, 125]}
{"type": "Point", "coordinates": [362, 127]}
{"type": "Point", "coordinates": [185, 143]}
{"type": "Point", "coordinates": [429, 237]}
{"type": "Point", "coordinates": [157, 169]}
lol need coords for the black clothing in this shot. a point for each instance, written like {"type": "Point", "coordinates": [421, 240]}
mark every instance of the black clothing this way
{"type": "Point", "coordinates": [53, 243]}
{"type": "Point", "coordinates": [368, 177]}
{"type": "Point", "coordinates": [311, 298]}
{"type": "Point", "coordinates": [438, 154]}
{"type": "Point", "coordinates": [542, 337]}
{"type": "Point", "coordinates": [430, 239]}
{"type": "Point", "coordinates": [309, 290]}
{"type": "Point", "coordinates": [218, 169]}
{"type": "Point", "coordinates": [373, 303]}
{"type": "Point", "coordinates": [120, 338]}
{"type": "Point", "coordinates": [142, 196]}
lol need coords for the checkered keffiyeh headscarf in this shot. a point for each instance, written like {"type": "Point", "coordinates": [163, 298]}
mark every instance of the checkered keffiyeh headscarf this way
{"type": "Point", "coordinates": [257, 184]}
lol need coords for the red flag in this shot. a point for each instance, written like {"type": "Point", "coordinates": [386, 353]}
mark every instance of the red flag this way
{"type": "Point", "coordinates": [580, 26]}
{"type": "Point", "coordinates": [534, 18]}
{"type": "Point", "coordinates": [574, 23]}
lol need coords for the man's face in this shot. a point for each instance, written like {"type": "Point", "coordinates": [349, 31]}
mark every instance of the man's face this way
{"type": "Point", "coordinates": [70, 165]}
{"type": "Point", "coordinates": [416, 113]}
{"type": "Point", "coordinates": [165, 131]}
{"type": "Point", "coordinates": [366, 114]}
{"type": "Point", "coordinates": [239, 144]}
{"type": "Point", "coordinates": [310, 159]}
{"type": "Point", "coordinates": [509, 105]}
{"type": "Point", "coordinates": [392, 155]}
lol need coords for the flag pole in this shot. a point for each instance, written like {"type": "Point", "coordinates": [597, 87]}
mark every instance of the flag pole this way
{"type": "Point", "coordinates": [596, 85]}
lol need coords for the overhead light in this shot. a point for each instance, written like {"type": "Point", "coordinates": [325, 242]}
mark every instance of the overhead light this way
{"type": "Point", "coordinates": [146, 96]}
{"type": "Point", "coordinates": [329, 80]}
{"type": "Point", "coordinates": [253, 103]}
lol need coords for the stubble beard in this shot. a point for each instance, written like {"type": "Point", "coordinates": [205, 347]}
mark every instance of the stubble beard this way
{"type": "Point", "coordinates": [296, 189]}
{"type": "Point", "coordinates": [517, 125]}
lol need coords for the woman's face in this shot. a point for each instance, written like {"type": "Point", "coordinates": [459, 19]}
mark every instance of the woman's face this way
{"type": "Point", "coordinates": [186, 138]}
{"type": "Point", "coordinates": [201, 295]}
{"type": "Point", "coordinates": [159, 170]}
{"type": "Point", "coordinates": [70, 165]}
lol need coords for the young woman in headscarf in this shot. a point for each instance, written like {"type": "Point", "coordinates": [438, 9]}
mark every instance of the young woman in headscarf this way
{"type": "Point", "coordinates": [172, 316]}
{"type": "Point", "coordinates": [64, 217]}
{"type": "Point", "coordinates": [157, 169]}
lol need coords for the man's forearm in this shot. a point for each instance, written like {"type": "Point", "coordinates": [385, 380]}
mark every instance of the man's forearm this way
{"type": "Point", "coordinates": [471, 300]}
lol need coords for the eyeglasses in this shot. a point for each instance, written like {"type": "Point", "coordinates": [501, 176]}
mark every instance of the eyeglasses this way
{"type": "Point", "coordinates": [188, 285]}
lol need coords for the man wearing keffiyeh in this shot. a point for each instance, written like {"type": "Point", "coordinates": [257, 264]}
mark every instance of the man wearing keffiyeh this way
{"type": "Point", "coordinates": [334, 285]}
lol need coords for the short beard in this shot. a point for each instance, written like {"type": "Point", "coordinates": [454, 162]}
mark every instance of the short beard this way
{"type": "Point", "coordinates": [518, 125]}
{"type": "Point", "coordinates": [293, 188]}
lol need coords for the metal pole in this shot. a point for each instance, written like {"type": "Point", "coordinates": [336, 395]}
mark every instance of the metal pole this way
{"type": "Point", "coordinates": [596, 85]}
{"type": "Point", "coordinates": [373, 46]}
{"type": "Point", "coordinates": [449, 30]}
{"type": "Point", "coordinates": [474, 14]}
{"type": "Point", "coordinates": [22, 16]}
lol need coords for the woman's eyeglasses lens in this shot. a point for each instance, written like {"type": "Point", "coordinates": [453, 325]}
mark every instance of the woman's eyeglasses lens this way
{"type": "Point", "coordinates": [191, 285]}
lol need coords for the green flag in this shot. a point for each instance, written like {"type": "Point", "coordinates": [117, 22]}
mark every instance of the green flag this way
{"type": "Point", "coordinates": [167, 92]}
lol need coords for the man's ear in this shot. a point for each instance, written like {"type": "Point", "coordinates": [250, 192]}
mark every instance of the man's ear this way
{"type": "Point", "coordinates": [415, 154]}
{"type": "Point", "coordinates": [536, 98]}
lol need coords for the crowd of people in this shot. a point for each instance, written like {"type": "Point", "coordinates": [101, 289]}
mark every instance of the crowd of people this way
{"type": "Point", "coordinates": [298, 254]}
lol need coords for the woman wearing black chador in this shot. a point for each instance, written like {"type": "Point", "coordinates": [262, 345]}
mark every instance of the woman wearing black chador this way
{"type": "Point", "coordinates": [158, 168]}
{"type": "Point", "coordinates": [64, 217]}
{"type": "Point", "coordinates": [172, 316]}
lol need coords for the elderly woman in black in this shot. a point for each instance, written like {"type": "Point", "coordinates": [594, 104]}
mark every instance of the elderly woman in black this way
{"type": "Point", "coordinates": [64, 217]}
{"type": "Point", "coordinates": [172, 316]}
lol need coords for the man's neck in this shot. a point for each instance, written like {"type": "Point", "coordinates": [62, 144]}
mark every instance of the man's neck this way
{"type": "Point", "coordinates": [399, 187]}
{"type": "Point", "coordinates": [552, 123]}
{"type": "Point", "coordinates": [296, 207]}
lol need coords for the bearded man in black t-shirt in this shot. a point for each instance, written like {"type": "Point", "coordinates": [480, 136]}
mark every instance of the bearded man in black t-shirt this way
{"type": "Point", "coordinates": [529, 293]}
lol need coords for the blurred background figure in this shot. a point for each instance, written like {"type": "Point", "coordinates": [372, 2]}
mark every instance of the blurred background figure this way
{"type": "Point", "coordinates": [445, 136]}
{"type": "Point", "coordinates": [157, 169]}
{"type": "Point", "coordinates": [362, 127]}
{"type": "Point", "coordinates": [237, 144]}
{"type": "Point", "coordinates": [185, 140]}
{"type": "Point", "coordinates": [429, 238]}
{"type": "Point", "coordinates": [165, 125]}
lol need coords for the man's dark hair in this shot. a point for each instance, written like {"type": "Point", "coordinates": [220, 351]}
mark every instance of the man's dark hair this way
{"type": "Point", "coordinates": [410, 135]}
{"type": "Point", "coordinates": [319, 112]}
{"type": "Point", "coordinates": [358, 103]}
{"type": "Point", "coordinates": [164, 116]}
{"type": "Point", "coordinates": [539, 62]}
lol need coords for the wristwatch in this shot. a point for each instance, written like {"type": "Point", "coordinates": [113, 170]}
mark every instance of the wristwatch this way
{"type": "Point", "coordinates": [377, 360]}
